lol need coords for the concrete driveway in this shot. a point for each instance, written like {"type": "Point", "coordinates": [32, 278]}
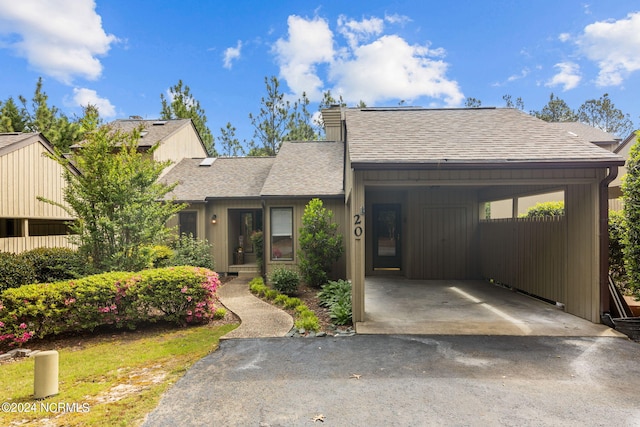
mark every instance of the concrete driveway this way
{"type": "Point", "coordinates": [394, 305]}
{"type": "Point", "coordinates": [409, 380]}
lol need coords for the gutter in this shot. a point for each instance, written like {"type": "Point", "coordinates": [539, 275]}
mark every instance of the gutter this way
{"type": "Point", "coordinates": [507, 164]}
{"type": "Point", "coordinates": [605, 297]}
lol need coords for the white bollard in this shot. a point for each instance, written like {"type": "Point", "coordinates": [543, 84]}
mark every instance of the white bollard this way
{"type": "Point", "coordinates": [45, 381]}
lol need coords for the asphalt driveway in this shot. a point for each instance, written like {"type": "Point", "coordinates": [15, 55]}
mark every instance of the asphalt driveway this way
{"type": "Point", "coordinates": [409, 380]}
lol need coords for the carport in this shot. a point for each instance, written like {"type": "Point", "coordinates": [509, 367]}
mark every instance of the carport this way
{"type": "Point", "coordinates": [395, 305]}
{"type": "Point", "coordinates": [416, 184]}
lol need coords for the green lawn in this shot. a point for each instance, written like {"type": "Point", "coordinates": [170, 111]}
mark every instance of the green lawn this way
{"type": "Point", "coordinates": [115, 380]}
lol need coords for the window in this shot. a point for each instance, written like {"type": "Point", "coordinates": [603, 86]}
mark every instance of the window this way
{"type": "Point", "coordinates": [188, 223]}
{"type": "Point", "coordinates": [282, 234]}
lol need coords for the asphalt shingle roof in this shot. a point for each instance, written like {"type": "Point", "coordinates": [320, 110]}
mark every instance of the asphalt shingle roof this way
{"type": "Point", "coordinates": [226, 178]}
{"type": "Point", "coordinates": [307, 169]}
{"type": "Point", "coordinates": [10, 141]}
{"type": "Point", "coordinates": [156, 130]}
{"type": "Point", "coordinates": [587, 132]}
{"type": "Point", "coordinates": [439, 137]}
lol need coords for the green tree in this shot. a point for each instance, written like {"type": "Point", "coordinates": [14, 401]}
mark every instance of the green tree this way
{"type": "Point", "coordinates": [272, 123]}
{"type": "Point", "coordinates": [182, 105]}
{"type": "Point", "coordinates": [320, 244]}
{"type": "Point", "coordinates": [230, 145]}
{"type": "Point", "coordinates": [602, 114]}
{"type": "Point", "coordinates": [300, 122]}
{"type": "Point", "coordinates": [556, 110]}
{"type": "Point", "coordinates": [472, 103]}
{"type": "Point", "coordinates": [631, 197]}
{"type": "Point", "coordinates": [510, 103]}
{"type": "Point", "coordinates": [116, 199]}
{"type": "Point", "coordinates": [12, 119]}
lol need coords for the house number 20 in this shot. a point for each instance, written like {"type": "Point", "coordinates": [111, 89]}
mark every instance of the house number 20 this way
{"type": "Point", "coordinates": [357, 225]}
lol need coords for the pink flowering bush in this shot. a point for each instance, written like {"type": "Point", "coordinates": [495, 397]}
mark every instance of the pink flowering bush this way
{"type": "Point", "coordinates": [181, 295]}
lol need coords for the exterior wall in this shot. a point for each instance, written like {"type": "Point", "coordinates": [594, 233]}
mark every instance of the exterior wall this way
{"type": "Point", "coordinates": [22, 244]}
{"type": "Point", "coordinates": [26, 174]}
{"type": "Point", "coordinates": [298, 205]}
{"type": "Point", "coordinates": [527, 254]}
{"type": "Point", "coordinates": [184, 143]}
{"type": "Point", "coordinates": [583, 254]}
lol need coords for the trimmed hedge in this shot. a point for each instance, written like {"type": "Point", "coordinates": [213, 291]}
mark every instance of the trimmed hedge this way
{"type": "Point", "coordinates": [15, 271]}
{"type": "Point", "coordinates": [55, 264]}
{"type": "Point", "coordinates": [180, 295]}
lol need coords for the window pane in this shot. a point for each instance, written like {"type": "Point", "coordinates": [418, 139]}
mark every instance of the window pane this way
{"type": "Point", "coordinates": [281, 233]}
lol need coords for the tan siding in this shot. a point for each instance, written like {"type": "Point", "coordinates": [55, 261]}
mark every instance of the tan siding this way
{"type": "Point", "coordinates": [21, 244]}
{"type": "Point", "coordinates": [526, 254]}
{"type": "Point", "coordinates": [357, 247]}
{"type": "Point", "coordinates": [27, 174]}
{"type": "Point", "coordinates": [182, 144]}
{"type": "Point", "coordinates": [583, 297]}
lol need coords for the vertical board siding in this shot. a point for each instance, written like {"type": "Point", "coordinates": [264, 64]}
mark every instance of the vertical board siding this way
{"type": "Point", "coordinates": [527, 254]}
{"type": "Point", "coordinates": [21, 244]}
{"type": "Point", "coordinates": [25, 175]}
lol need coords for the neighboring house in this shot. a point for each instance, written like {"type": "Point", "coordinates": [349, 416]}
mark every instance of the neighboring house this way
{"type": "Point", "coordinates": [408, 188]}
{"type": "Point", "coordinates": [177, 139]}
{"type": "Point", "coordinates": [520, 205]}
{"type": "Point", "coordinates": [615, 188]}
{"type": "Point", "coordinates": [26, 173]}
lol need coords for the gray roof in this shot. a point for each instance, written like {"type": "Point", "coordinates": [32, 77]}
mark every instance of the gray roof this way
{"type": "Point", "coordinates": [231, 177]}
{"type": "Point", "coordinates": [474, 136]}
{"type": "Point", "coordinates": [307, 169]}
{"type": "Point", "coordinates": [152, 131]}
{"type": "Point", "coordinates": [13, 140]}
{"type": "Point", "coordinates": [590, 133]}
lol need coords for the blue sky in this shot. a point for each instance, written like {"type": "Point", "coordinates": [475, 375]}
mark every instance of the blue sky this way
{"type": "Point", "coordinates": [121, 55]}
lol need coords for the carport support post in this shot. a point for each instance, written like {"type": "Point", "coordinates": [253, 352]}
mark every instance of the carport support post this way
{"type": "Point", "coordinates": [357, 252]}
{"type": "Point", "coordinates": [605, 298]}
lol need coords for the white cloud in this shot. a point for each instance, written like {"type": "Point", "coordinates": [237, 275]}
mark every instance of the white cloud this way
{"type": "Point", "coordinates": [310, 43]}
{"type": "Point", "coordinates": [568, 76]}
{"type": "Point", "coordinates": [372, 67]}
{"type": "Point", "coordinates": [563, 37]}
{"type": "Point", "coordinates": [231, 54]}
{"type": "Point", "coordinates": [524, 73]}
{"type": "Point", "coordinates": [60, 38]}
{"type": "Point", "coordinates": [397, 19]}
{"type": "Point", "coordinates": [83, 97]}
{"type": "Point", "coordinates": [614, 46]}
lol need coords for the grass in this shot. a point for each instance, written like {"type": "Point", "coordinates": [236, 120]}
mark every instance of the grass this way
{"type": "Point", "coordinates": [114, 381]}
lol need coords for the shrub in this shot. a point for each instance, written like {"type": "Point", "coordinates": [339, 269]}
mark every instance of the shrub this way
{"type": "Point", "coordinates": [337, 297]}
{"type": "Point", "coordinates": [270, 294]}
{"type": "Point", "coordinates": [190, 251]}
{"type": "Point", "coordinates": [55, 264]}
{"type": "Point", "coordinates": [281, 299]}
{"type": "Point", "coordinates": [181, 295]}
{"type": "Point", "coordinates": [308, 321]}
{"type": "Point", "coordinates": [320, 245]}
{"type": "Point", "coordinates": [631, 197]}
{"type": "Point", "coordinates": [160, 256]}
{"type": "Point", "coordinates": [292, 303]}
{"type": "Point", "coordinates": [15, 271]}
{"type": "Point", "coordinates": [545, 209]}
{"type": "Point", "coordinates": [617, 233]}
{"type": "Point", "coordinates": [257, 286]}
{"type": "Point", "coordinates": [220, 313]}
{"type": "Point", "coordinates": [285, 281]}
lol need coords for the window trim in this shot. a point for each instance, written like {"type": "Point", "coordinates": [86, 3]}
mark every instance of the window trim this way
{"type": "Point", "coordinates": [271, 233]}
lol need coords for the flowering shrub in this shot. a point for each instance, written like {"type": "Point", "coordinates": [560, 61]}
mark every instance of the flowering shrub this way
{"type": "Point", "coordinates": [180, 295]}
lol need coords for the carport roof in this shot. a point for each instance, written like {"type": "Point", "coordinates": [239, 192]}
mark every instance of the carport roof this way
{"type": "Point", "coordinates": [470, 137]}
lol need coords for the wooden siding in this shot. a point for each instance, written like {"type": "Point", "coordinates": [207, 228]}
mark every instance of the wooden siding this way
{"type": "Point", "coordinates": [182, 144]}
{"type": "Point", "coordinates": [22, 244]}
{"type": "Point", "coordinates": [26, 174]}
{"type": "Point", "coordinates": [298, 205]}
{"type": "Point", "coordinates": [527, 254]}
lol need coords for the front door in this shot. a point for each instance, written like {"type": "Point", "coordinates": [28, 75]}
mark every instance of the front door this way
{"type": "Point", "coordinates": [386, 237]}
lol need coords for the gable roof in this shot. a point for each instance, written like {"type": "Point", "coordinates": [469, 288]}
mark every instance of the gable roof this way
{"type": "Point", "coordinates": [307, 169]}
{"type": "Point", "coordinates": [470, 137]}
{"type": "Point", "coordinates": [589, 133]}
{"type": "Point", "coordinates": [12, 141]}
{"type": "Point", "coordinates": [153, 131]}
{"type": "Point", "coordinates": [232, 177]}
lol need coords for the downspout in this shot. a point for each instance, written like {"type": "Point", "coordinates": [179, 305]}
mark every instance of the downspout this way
{"type": "Point", "coordinates": [605, 298]}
